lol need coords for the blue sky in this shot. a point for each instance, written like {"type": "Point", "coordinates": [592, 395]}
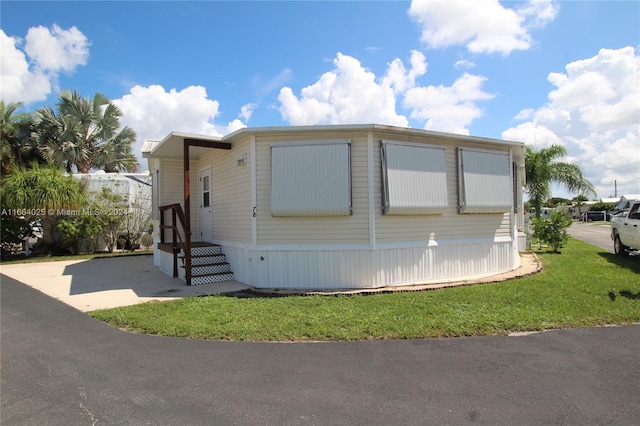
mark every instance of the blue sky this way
{"type": "Point", "coordinates": [541, 72]}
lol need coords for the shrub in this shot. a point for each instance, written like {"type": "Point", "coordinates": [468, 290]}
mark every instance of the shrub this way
{"type": "Point", "coordinates": [552, 230]}
{"type": "Point", "coordinates": [79, 233]}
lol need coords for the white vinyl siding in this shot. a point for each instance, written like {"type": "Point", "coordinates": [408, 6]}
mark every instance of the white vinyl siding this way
{"type": "Point", "coordinates": [230, 192]}
{"type": "Point", "coordinates": [311, 179]}
{"type": "Point", "coordinates": [414, 179]}
{"type": "Point", "coordinates": [485, 181]}
{"type": "Point", "coordinates": [171, 184]}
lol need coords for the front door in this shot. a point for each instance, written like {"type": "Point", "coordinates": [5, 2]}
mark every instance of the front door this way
{"type": "Point", "coordinates": [206, 213]}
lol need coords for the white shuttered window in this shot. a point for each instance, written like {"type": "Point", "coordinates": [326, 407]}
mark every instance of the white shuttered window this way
{"type": "Point", "coordinates": [484, 181]}
{"type": "Point", "coordinates": [414, 179]}
{"type": "Point", "coordinates": [311, 179]}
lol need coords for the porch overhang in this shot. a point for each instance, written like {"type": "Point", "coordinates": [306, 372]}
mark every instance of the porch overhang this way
{"type": "Point", "coordinates": [172, 146]}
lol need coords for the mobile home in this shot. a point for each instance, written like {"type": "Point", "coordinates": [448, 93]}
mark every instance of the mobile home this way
{"type": "Point", "coordinates": [337, 206]}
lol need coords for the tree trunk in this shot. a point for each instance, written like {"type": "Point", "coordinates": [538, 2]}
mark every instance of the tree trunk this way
{"type": "Point", "coordinates": [47, 231]}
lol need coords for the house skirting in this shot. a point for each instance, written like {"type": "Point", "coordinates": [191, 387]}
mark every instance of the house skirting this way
{"type": "Point", "coordinates": [352, 267]}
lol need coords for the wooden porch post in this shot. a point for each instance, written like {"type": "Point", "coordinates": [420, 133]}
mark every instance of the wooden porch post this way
{"type": "Point", "coordinates": [187, 214]}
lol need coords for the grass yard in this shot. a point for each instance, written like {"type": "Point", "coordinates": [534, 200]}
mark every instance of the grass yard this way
{"type": "Point", "coordinates": [38, 259]}
{"type": "Point", "coordinates": [582, 287]}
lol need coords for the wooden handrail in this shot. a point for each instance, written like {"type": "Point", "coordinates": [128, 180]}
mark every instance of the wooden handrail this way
{"type": "Point", "coordinates": [177, 213]}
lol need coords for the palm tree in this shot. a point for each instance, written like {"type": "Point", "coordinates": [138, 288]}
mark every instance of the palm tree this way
{"type": "Point", "coordinates": [544, 167]}
{"type": "Point", "coordinates": [579, 202]}
{"type": "Point", "coordinates": [41, 191]}
{"type": "Point", "coordinates": [85, 134]}
{"type": "Point", "coordinates": [16, 145]}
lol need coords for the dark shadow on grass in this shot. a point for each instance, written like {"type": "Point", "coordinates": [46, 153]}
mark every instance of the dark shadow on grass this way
{"type": "Point", "coordinates": [631, 263]}
{"type": "Point", "coordinates": [250, 294]}
{"type": "Point", "coordinates": [625, 293]}
{"type": "Point", "coordinates": [630, 295]}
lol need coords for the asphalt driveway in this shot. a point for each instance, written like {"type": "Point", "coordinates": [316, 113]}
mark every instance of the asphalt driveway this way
{"type": "Point", "coordinates": [60, 367]}
{"type": "Point", "coordinates": [597, 235]}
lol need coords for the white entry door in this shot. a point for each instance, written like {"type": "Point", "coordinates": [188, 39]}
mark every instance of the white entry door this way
{"type": "Point", "coordinates": [206, 212]}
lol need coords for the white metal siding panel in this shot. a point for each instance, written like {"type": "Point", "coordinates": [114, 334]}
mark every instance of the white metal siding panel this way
{"type": "Point", "coordinates": [415, 179]}
{"type": "Point", "coordinates": [172, 186]}
{"type": "Point", "coordinates": [311, 179]}
{"type": "Point", "coordinates": [230, 192]}
{"type": "Point", "coordinates": [485, 182]}
{"type": "Point", "coordinates": [335, 269]}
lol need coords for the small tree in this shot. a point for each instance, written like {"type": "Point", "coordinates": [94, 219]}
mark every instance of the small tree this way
{"type": "Point", "coordinates": [109, 209]}
{"type": "Point", "coordinates": [552, 231]}
{"type": "Point", "coordinates": [79, 233]}
{"type": "Point", "coordinates": [544, 167]}
{"type": "Point", "coordinates": [578, 202]}
{"type": "Point", "coordinates": [16, 146]}
{"type": "Point", "coordinates": [602, 206]}
{"type": "Point", "coordinates": [14, 230]}
{"type": "Point", "coordinates": [136, 221]}
{"type": "Point", "coordinates": [41, 192]}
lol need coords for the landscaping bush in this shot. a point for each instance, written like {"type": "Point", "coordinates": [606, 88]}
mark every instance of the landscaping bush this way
{"type": "Point", "coordinates": [80, 234]}
{"type": "Point", "coordinates": [552, 230]}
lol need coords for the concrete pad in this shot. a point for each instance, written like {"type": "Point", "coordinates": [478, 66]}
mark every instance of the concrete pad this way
{"type": "Point", "coordinates": [92, 284]}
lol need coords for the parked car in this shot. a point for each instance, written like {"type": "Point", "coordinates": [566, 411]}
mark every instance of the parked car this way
{"type": "Point", "coordinates": [597, 216]}
{"type": "Point", "coordinates": [625, 231]}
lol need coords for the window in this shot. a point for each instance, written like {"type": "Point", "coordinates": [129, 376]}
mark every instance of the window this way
{"type": "Point", "coordinates": [311, 179]}
{"type": "Point", "coordinates": [206, 192]}
{"type": "Point", "coordinates": [484, 181]}
{"type": "Point", "coordinates": [414, 180]}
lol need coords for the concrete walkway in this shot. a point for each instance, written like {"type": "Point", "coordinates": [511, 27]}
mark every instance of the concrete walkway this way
{"type": "Point", "coordinates": [102, 283]}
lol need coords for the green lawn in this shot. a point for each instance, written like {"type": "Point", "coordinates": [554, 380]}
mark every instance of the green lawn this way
{"type": "Point", "coordinates": [38, 259]}
{"type": "Point", "coordinates": [582, 287]}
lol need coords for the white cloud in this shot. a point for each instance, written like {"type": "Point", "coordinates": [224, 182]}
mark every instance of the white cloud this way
{"type": "Point", "coordinates": [399, 78]}
{"type": "Point", "coordinates": [153, 112]}
{"type": "Point", "coordinates": [525, 114]}
{"type": "Point", "coordinates": [536, 135]}
{"type": "Point", "coordinates": [28, 75]}
{"type": "Point", "coordinates": [349, 94]}
{"type": "Point", "coordinates": [538, 13]}
{"type": "Point", "coordinates": [234, 125]}
{"type": "Point", "coordinates": [448, 109]}
{"type": "Point", "coordinates": [246, 111]}
{"type": "Point", "coordinates": [57, 49]}
{"type": "Point", "coordinates": [352, 94]}
{"type": "Point", "coordinates": [483, 26]}
{"type": "Point", "coordinates": [463, 63]}
{"type": "Point", "coordinates": [594, 112]}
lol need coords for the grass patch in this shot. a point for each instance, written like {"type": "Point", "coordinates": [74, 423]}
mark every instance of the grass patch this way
{"type": "Point", "coordinates": [581, 287]}
{"type": "Point", "coordinates": [40, 259]}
